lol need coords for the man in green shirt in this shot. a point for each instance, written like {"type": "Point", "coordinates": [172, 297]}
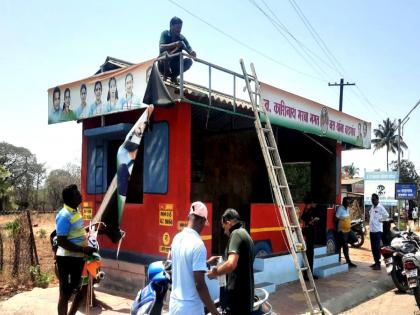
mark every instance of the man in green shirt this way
{"type": "Point", "coordinates": [238, 266]}
{"type": "Point", "coordinates": [172, 42]}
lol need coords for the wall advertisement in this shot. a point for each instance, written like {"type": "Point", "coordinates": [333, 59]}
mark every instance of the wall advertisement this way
{"type": "Point", "coordinates": [295, 112]}
{"type": "Point", "coordinates": [102, 94]}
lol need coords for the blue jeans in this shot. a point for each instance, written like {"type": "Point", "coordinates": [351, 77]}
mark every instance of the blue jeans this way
{"type": "Point", "coordinates": [375, 243]}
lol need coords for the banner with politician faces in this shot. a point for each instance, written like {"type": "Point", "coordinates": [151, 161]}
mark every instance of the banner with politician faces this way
{"type": "Point", "coordinates": [102, 94]}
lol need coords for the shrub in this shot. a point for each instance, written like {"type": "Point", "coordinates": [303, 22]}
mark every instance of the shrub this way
{"type": "Point", "coordinates": [41, 279]}
{"type": "Point", "coordinates": [42, 233]}
{"type": "Point", "coordinates": [13, 227]}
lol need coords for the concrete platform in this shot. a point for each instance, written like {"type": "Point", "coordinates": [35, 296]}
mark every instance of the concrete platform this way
{"type": "Point", "coordinates": [277, 270]}
{"type": "Point", "coordinates": [338, 293]}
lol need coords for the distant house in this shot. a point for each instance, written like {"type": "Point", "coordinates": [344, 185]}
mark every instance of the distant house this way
{"type": "Point", "coordinates": [354, 189]}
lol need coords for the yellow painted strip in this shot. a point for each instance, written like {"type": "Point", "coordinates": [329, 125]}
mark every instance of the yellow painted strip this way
{"type": "Point", "coordinates": [206, 237]}
{"type": "Point", "coordinates": [268, 229]}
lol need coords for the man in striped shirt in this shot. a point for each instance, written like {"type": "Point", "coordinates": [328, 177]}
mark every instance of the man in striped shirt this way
{"type": "Point", "coordinates": [72, 248]}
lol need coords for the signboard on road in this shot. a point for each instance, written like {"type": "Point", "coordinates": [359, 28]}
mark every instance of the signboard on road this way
{"type": "Point", "coordinates": [382, 184]}
{"type": "Point", "coordinates": [405, 191]}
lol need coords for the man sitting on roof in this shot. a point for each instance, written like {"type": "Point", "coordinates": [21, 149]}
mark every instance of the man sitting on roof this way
{"type": "Point", "coordinates": [173, 42]}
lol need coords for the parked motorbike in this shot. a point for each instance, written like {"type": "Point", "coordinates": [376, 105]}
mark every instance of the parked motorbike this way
{"type": "Point", "coordinates": [411, 262]}
{"type": "Point", "coordinates": [358, 228]}
{"type": "Point", "coordinates": [403, 243]}
{"type": "Point", "coordinates": [261, 304]}
{"type": "Point", "coordinates": [149, 300]}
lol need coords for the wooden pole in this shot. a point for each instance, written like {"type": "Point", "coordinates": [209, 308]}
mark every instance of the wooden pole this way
{"type": "Point", "coordinates": [34, 253]}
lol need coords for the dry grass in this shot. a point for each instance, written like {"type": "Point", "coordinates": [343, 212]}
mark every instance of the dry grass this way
{"type": "Point", "coordinates": [43, 225]}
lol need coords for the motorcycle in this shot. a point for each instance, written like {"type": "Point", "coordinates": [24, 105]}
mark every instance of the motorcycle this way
{"type": "Point", "coordinates": [403, 243]}
{"type": "Point", "coordinates": [358, 228]}
{"type": "Point", "coordinates": [149, 300]}
{"type": "Point", "coordinates": [411, 262]}
{"type": "Point", "coordinates": [261, 304]}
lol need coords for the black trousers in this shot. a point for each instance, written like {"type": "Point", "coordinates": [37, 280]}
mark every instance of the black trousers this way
{"type": "Point", "coordinates": [375, 243]}
{"type": "Point", "coordinates": [310, 243]}
{"type": "Point", "coordinates": [69, 273]}
{"type": "Point", "coordinates": [343, 239]}
{"type": "Point", "coordinates": [170, 67]}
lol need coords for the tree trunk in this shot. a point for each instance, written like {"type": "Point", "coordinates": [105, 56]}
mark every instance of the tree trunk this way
{"type": "Point", "coordinates": [387, 153]}
{"type": "Point", "coordinates": [16, 256]}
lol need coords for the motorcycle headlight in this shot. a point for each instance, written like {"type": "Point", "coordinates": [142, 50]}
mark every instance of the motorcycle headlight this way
{"type": "Point", "coordinates": [408, 247]}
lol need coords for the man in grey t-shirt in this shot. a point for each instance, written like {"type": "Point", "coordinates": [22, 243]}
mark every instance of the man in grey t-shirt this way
{"type": "Point", "coordinates": [238, 266]}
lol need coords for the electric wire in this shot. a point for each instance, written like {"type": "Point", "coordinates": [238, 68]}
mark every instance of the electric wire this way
{"type": "Point", "coordinates": [246, 45]}
{"type": "Point", "coordinates": [278, 24]}
{"type": "Point", "coordinates": [333, 67]}
{"type": "Point", "coordinates": [363, 97]}
{"type": "Point", "coordinates": [280, 27]}
{"type": "Point", "coordinates": [317, 38]}
{"type": "Point", "coordinates": [334, 61]}
{"type": "Point", "coordinates": [303, 46]}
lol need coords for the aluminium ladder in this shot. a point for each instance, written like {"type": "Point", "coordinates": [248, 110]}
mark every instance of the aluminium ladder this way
{"type": "Point", "coordinates": [281, 191]}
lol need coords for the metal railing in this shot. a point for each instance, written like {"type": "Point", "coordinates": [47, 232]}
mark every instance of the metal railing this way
{"type": "Point", "coordinates": [166, 56]}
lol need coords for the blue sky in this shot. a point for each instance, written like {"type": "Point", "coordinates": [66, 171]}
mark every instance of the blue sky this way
{"type": "Point", "coordinates": [46, 43]}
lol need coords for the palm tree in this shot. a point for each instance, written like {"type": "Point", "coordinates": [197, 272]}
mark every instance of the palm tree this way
{"type": "Point", "coordinates": [351, 170]}
{"type": "Point", "coordinates": [387, 136]}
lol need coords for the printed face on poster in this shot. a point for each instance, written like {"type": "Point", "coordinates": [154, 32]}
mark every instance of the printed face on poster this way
{"type": "Point", "coordinates": [114, 91]}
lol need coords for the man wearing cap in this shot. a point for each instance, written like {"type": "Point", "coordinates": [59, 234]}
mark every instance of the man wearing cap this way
{"type": "Point", "coordinates": [189, 291]}
{"type": "Point", "coordinates": [172, 41]}
{"type": "Point", "coordinates": [238, 266]}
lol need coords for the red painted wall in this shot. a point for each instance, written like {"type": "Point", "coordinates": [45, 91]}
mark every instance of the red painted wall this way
{"type": "Point", "coordinates": [144, 234]}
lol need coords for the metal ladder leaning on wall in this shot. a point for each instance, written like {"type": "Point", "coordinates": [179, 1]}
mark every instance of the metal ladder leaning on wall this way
{"type": "Point", "coordinates": [281, 191]}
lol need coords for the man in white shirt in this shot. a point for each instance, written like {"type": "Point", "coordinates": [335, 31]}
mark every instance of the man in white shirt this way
{"type": "Point", "coordinates": [188, 253]}
{"type": "Point", "coordinates": [377, 214]}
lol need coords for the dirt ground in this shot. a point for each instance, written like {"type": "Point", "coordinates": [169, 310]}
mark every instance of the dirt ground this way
{"type": "Point", "coordinates": [46, 222]}
{"type": "Point", "coordinates": [9, 286]}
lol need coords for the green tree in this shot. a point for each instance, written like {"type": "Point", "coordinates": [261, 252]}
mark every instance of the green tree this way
{"type": "Point", "coordinates": [23, 170]}
{"type": "Point", "coordinates": [408, 173]}
{"type": "Point", "coordinates": [387, 136]}
{"type": "Point", "coordinates": [5, 190]}
{"type": "Point", "coordinates": [350, 170]}
{"type": "Point", "coordinates": [58, 179]}
{"type": "Point", "coordinates": [39, 176]}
